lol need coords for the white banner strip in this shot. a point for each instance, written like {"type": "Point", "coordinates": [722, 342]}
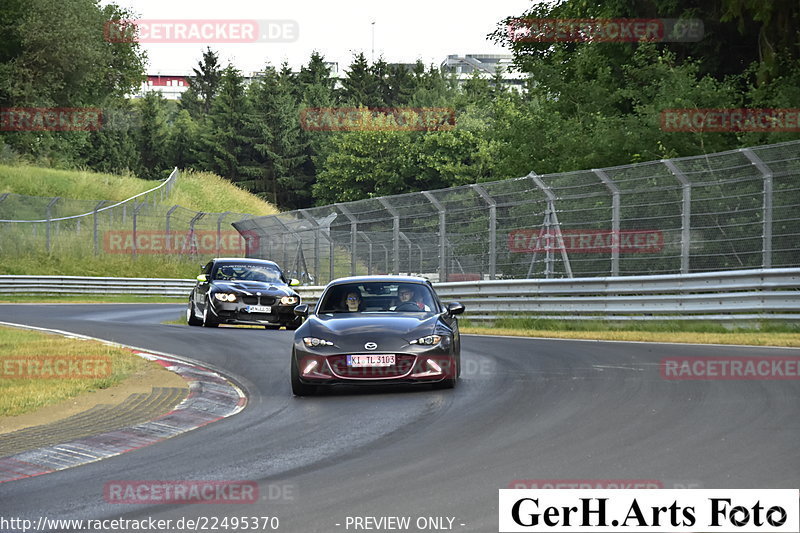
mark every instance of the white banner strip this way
{"type": "Point", "coordinates": [651, 511]}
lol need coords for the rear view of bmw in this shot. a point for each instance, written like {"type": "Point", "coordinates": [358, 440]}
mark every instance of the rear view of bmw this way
{"type": "Point", "coordinates": [374, 331]}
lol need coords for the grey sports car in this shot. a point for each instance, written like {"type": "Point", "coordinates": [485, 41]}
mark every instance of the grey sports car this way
{"type": "Point", "coordinates": [372, 330]}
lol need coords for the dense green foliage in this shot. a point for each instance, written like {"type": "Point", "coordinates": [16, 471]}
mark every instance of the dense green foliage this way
{"type": "Point", "coordinates": [585, 105]}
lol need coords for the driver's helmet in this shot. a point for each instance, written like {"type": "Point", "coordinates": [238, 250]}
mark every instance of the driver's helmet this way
{"type": "Point", "coordinates": [226, 272]}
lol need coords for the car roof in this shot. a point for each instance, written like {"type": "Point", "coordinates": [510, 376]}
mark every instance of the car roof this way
{"type": "Point", "coordinates": [245, 260]}
{"type": "Point", "coordinates": [382, 279]}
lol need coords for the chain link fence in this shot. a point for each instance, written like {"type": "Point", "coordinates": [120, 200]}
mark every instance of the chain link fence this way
{"type": "Point", "coordinates": [724, 211]}
{"type": "Point", "coordinates": [143, 225]}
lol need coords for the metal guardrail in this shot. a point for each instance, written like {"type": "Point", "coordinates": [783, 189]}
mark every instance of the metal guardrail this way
{"type": "Point", "coordinates": [68, 285]}
{"type": "Point", "coordinates": [730, 295]}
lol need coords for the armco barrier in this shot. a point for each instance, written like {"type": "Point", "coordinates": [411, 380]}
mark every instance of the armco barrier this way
{"type": "Point", "coordinates": [729, 295]}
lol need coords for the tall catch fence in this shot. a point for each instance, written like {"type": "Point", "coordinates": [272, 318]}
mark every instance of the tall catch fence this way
{"type": "Point", "coordinates": [731, 210]}
{"type": "Point", "coordinates": [145, 224]}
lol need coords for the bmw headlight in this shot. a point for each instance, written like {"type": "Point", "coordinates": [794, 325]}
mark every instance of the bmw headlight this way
{"type": "Point", "coordinates": [313, 341]}
{"type": "Point", "coordinates": [289, 300]}
{"type": "Point", "coordinates": [430, 340]}
{"type": "Point", "coordinates": [225, 296]}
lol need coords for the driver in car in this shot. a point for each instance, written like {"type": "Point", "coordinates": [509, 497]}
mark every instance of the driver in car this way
{"type": "Point", "coordinates": [226, 273]}
{"type": "Point", "coordinates": [408, 298]}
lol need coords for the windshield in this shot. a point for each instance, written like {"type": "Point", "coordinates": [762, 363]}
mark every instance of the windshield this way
{"type": "Point", "coordinates": [379, 297]}
{"type": "Point", "coordinates": [247, 272]}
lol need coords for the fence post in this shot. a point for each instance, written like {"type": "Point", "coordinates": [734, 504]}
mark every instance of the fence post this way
{"type": "Point", "coordinates": [442, 234]}
{"type": "Point", "coordinates": [136, 209]}
{"type": "Point", "coordinates": [317, 230]}
{"type": "Point", "coordinates": [550, 215]}
{"type": "Point", "coordinates": [395, 234]}
{"type": "Point", "coordinates": [492, 229]}
{"type": "Point", "coordinates": [219, 230]}
{"type": "Point", "coordinates": [686, 213]}
{"type": "Point", "coordinates": [49, 216]}
{"type": "Point", "coordinates": [353, 236]}
{"type": "Point", "coordinates": [2, 198]}
{"type": "Point", "coordinates": [408, 243]}
{"type": "Point", "coordinates": [94, 226]}
{"type": "Point", "coordinates": [615, 216]}
{"type": "Point", "coordinates": [766, 173]}
{"type": "Point", "coordinates": [195, 218]}
{"type": "Point", "coordinates": [369, 248]}
{"type": "Point", "coordinates": [170, 246]}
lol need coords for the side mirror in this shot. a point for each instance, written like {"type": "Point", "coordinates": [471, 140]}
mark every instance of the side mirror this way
{"type": "Point", "coordinates": [455, 308]}
{"type": "Point", "coordinates": [294, 282]}
{"type": "Point", "coordinates": [202, 278]}
{"type": "Point", "coordinates": [301, 310]}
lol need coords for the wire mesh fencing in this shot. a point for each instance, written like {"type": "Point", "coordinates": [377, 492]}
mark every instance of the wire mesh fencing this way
{"type": "Point", "coordinates": [144, 225]}
{"type": "Point", "coordinates": [723, 211]}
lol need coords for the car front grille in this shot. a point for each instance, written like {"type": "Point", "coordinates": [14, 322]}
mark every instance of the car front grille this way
{"type": "Point", "coordinates": [258, 300]}
{"type": "Point", "coordinates": [402, 366]}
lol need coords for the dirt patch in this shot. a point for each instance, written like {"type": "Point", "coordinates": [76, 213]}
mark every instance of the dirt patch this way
{"type": "Point", "coordinates": [154, 375]}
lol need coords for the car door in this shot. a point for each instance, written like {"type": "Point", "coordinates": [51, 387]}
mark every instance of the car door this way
{"type": "Point", "coordinates": [451, 321]}
{"type": "Point", "coordinates": [202, 288]}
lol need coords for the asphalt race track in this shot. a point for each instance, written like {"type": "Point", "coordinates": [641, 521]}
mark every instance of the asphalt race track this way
{"type": "Point", "coordinates": [525, 409]}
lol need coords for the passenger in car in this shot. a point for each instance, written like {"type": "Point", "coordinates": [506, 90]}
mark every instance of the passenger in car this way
{"type": "Point", "coordinates": [352, 301]}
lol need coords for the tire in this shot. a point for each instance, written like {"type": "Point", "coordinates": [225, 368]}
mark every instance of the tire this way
{"type": "Point", "coordinates": [451, 382]}
{"type": "Point", "coordinates": [208, 320]}
{"type": "Point", "coordinates": [191, 318]}
{"type": "Point", "coordinates": [292, 325]}
{"type": "Point", "coordinates": [298, 388]}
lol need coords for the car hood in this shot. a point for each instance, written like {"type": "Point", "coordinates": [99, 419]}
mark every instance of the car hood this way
{"type": "Point", "coordinates": [389, 331]}
{"type": "Point", "coordinates": [252, 287]}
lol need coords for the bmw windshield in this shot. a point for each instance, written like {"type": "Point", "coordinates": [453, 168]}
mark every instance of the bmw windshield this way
{"type": "Point", "coordinates": [247, 272]}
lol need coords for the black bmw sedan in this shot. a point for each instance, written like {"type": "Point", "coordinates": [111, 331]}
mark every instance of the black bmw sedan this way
{"type": "Point", "coordinates": [372, 330]}
{"type": "Point", "coordinates": [243, 291]}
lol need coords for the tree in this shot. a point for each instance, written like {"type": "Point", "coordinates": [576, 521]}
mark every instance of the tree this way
{"type": "Point", "coordinates": [183, 141]}
{"type": "Point", "coordinates": [226, 146]}
{"type": "Point", "coordinates": [205, 84]}
{"type": "Point", "coordinates": [54, 54]}
{"type": "Point", "coordinates": [152, 137]}
{"type": "Point", "coordinates": [360, 86]}
{"type": "Point", "coordinates": [278, 143]}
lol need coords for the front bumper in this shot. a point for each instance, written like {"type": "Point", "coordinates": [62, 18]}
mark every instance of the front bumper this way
{"type": "Point", "coordinates": [237, 313]}
{"type": "Point", "coordinates": [409, 368]}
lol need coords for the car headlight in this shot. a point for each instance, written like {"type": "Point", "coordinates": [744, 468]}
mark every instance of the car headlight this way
{"type": "Point", "coordinates": [289, 300]}
{"type": "Point", "coordinates": [313, 341]}
{"type": "Point", "coordinates": [225, 296]}
{"type": "Point", "coordinates": [429, 340]}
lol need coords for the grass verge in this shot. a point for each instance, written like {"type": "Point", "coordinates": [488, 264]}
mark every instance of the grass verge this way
{"type": "Point", "coordinates": [24, 390]}
{"type": "Point", "coordinates": [199, 191]}
{"type": "Point", "coordinates": [679, 331]}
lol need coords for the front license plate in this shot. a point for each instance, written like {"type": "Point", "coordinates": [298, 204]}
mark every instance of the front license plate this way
{"type": "Point", "coordinates": [356, 361]}
{"type": "Point", "coordinates": [259, 309]}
